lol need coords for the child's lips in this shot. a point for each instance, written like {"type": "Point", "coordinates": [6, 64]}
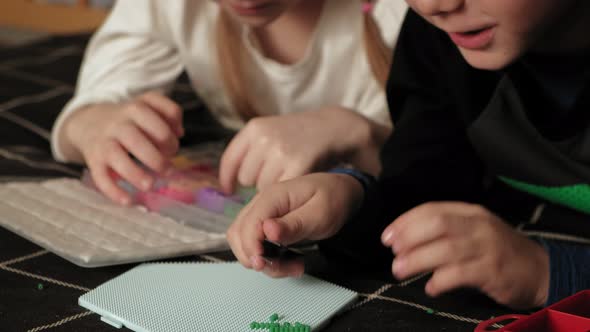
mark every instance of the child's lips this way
{"type": "Point", "coordinates": [474, 39]}
{"type": "Point", "coordinates": [250, 8]}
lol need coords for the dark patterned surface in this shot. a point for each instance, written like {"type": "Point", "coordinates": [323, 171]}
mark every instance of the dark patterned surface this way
{"type": "Point", "coordinates": [36, 81]}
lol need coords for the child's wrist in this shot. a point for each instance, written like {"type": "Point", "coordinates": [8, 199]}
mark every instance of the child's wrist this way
{"type": "Point", "coordinates": [542, 257]}
{"type": "Point", "coordinates": [74, 127]}
{"type": "Point", "coordinates": [365, 180]}
{"type": "Point", "coordinates": [353, 130]}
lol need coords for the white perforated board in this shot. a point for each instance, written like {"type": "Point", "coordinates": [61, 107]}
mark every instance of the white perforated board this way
{"type": "Point", "coordinates": [212, 297]}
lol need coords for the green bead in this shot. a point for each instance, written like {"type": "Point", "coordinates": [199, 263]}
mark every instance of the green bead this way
{"type": "Point", "coordinates": [274, 318]}
{"type": "Point", "coordinates": [40, 286]}
{"type": "Point", "coordinates": [274, 327]}
{"type": "Point", "coordinates": [253, 325]}
{"type": "Point", "coordinates": [231, 209]}
{"type": "Point", "coordinates": [246, 193]}
{"type": "Point", "coordinates": [430, 311]}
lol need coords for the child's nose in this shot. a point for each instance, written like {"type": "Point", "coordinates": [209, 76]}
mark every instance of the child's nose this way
{"type": "Point", "coordinates": [436, 7]}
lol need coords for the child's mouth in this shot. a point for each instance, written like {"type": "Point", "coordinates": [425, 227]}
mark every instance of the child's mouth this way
{"type": "Point", "coordinates": [474, 39]}
{"type": "Point", "coordinates": [251, 10]}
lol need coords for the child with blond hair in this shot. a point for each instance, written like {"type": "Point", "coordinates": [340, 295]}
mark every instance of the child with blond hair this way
{"type": "Point", "coordinates": [302, 81]}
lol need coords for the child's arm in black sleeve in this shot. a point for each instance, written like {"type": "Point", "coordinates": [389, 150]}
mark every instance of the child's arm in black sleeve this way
{"type": "Point", "coordinates": [428, 157]}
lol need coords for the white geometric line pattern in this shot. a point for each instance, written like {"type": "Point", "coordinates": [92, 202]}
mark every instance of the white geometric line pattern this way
{"type": "Point", "coordinates": [425, 308]}
{"type": "Point", "coordinates": [38, 164]}
{"type": "Point", "coordinates": [45, 59]}
{"type": "Point", "coordinates": [42, 132]}
{"type": "Point", "coordinates": [24, 258]}
{"type": "Point", "coordinates": [370, 297]}
{"type": "Point", "coordinates": [43, 278]}
{"type": "Point", "coordinates": [32, 99]}
{"type": "Point", "coordinates": [16, 73]}
{"type": "Point", "coordinates": [61, 322]}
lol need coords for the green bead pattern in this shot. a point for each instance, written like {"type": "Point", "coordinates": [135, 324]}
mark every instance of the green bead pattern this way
{"type": "Point", "coordinates": [576, 196]}
{"type": "Point", "coordinates": [274, 326]}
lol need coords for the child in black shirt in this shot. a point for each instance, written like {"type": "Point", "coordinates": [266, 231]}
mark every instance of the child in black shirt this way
{"type": "Point", "coordinates": [485, 178]}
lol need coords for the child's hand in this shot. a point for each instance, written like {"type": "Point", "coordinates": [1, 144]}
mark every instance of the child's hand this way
{"type": "Point", "coordinates": [467, 246]}
{"type": "Point", "coordinates": [311, 207]}
{"type": "Point", "coordinates": [105, 135]}
{"type": "Point", "coordinates": [277, 148]}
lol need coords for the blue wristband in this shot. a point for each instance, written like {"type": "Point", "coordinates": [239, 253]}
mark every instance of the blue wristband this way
{"type": "Point", "coordinates": [366, 180]}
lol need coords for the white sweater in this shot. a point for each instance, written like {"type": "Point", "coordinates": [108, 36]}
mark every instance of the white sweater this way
{"type": "Point", "coordinates": [146, 44]}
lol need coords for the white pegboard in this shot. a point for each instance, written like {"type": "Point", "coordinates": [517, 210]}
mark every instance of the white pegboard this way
{"type": "Point", "coordinates": [179, 297]}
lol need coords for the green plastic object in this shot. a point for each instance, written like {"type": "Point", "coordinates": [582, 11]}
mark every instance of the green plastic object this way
{"type": "Point", "coordinates": [576, 196]}
{"type": "Point", "coordinates": [212, 297]}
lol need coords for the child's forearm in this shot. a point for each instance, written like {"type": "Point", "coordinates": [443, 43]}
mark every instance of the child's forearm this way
{"type": "Point", "coordinates": [367, 155]}
{"type": "Point", "coordinates": [363, 138]}
{"type": "Point", "coordinates": [569, 268]}
{"type": "Point", "coordinates": [354, 138]}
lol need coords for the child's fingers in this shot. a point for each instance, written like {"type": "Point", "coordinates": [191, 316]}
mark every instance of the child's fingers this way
{"type": "Point", "coordinates": [249, 225]}
{"type": "Point", "coordinates": [235, 242]}
{"type": "Point", "coordinates": [285, 268]}
{"type": "Point", "coordinates": [120, 162]}
{"type": "Point", "coordinates": [167, 108]}
{"type": "Point", "coordinates": [234, 234]}
{"type": "Point", "coordinates": [158, 130]}
{"type": "Point", "coordinates": [250, 167]}
{"type": "Point", "coordinates": [231, 160]}
{"type": "Point", "coordinates": [423, 224]}
{"type": "Point", "coordinates": [425, 227]}
{"type": "Point", "coordinates": [270, 173]}
{"type": "Point", "coordinates": [431, 256]}
{"type": "Point", "coordinates": [107, 185]}
{"type": "Point", "coordinates": [288, 229]}
{"type": "Point", "coordinates": [453, 276]}
{"type": "Point", "coordinates": [245, 238]}
{"type": "Point", "coordinates": [294, 170]}
{"type": "Point", "coordinates": [136, 142]}
{"type": "Point", "coordinates": [252, 237]}
{"type": "Point", "coordinates": [269, 216]}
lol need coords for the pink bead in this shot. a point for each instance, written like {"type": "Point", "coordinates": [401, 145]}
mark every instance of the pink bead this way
{"type": "Point", "coordinates": [177, 195]}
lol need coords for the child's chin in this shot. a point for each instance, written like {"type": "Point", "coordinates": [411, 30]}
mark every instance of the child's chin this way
{"type": "Point", "coordinates": [488, 60]}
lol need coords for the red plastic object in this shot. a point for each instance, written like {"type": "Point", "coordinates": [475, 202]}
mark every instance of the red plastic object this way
{"type": "Point", "coordinates": [568, 315]}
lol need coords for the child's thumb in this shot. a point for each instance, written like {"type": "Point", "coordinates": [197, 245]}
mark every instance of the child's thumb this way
{"type": "Point", "coordinates": [286, 230]}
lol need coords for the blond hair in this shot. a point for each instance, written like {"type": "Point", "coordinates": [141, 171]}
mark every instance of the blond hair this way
{"type": "Point", "coordinates": [233, 59]}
